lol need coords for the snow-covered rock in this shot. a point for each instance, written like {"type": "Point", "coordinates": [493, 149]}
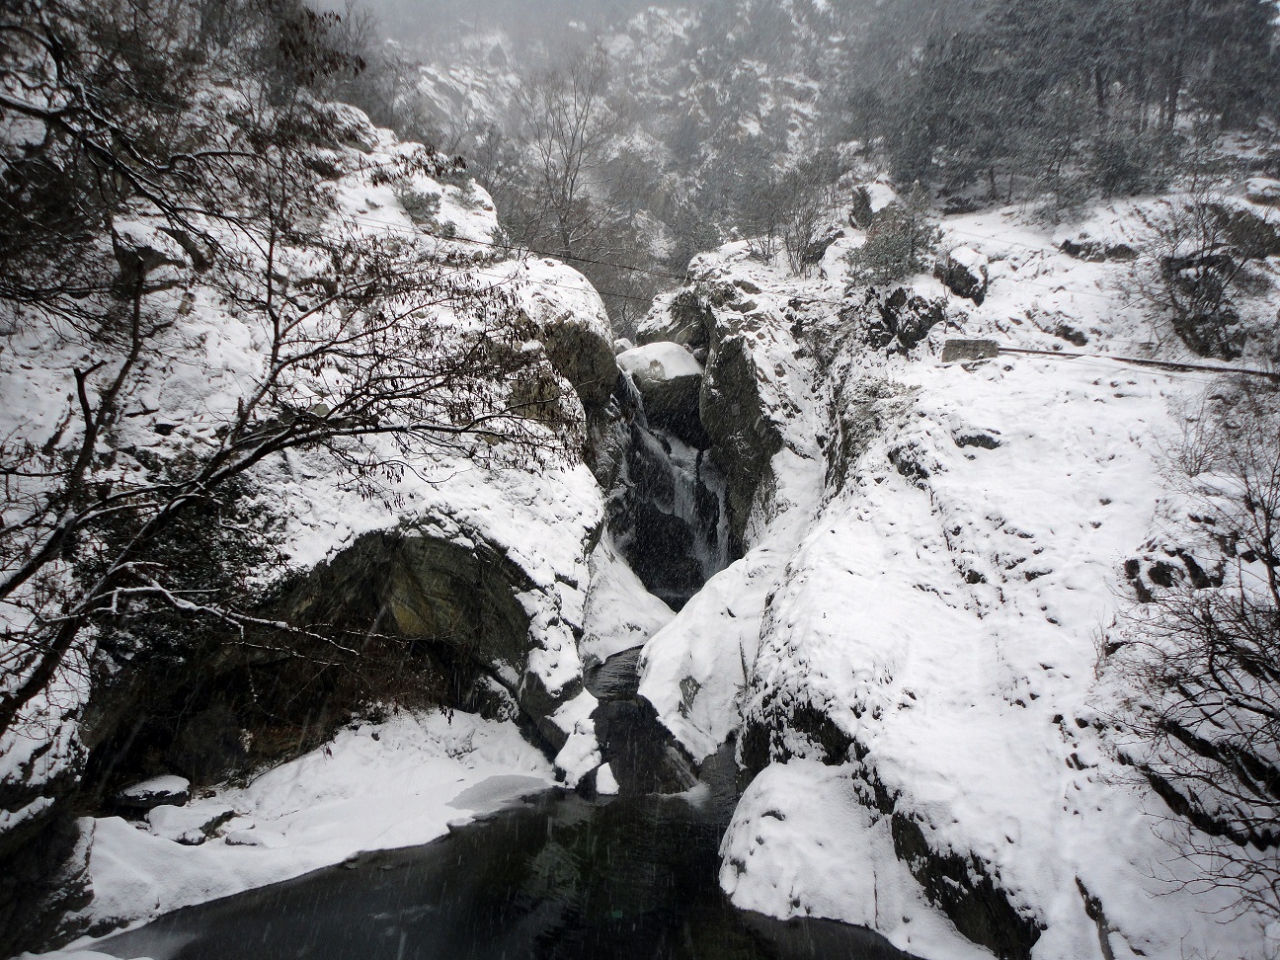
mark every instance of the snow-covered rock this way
{"type": "Point", "coordinates": [965, 273]}
{"type": "Point", "coordinates": [1263, 190]}
{"type": "Point", "coordinates": [157, 791]}
{"type": "Point", "coordinates": [907, 651]}
{"type": "Point", "coordinates": [620, 613]}
{"type": "Point", "coordinates": [670, 380]}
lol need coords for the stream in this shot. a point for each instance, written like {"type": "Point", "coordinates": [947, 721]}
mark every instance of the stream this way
{"type": "Point", "coordinates": [558, 877]}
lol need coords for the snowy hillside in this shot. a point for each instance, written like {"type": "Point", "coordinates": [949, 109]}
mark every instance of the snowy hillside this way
{"type": "Point", "coordinates": [909, 649]}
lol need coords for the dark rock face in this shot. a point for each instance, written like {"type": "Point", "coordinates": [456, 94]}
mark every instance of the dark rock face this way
{"type": "Point", "coordinates": [208, 745]}
{"type": "Point", "coordinates": [672, 404]}
{"type": "Point", "coordinates": [963, 886]}
{"type": "Point", "coordinates": [43, 881]}
{"type": "Point", "coordinates": [965, 277]}
{"type": "Point", "coordinates": [860, 211]}
{"type": "Point", "coordinates": [688, 322]}
{"type": "Point", "coordinates": [584, 357]}
{"type": "Point", "coordinates": [901, 320]}
{"type": "Point", "coordinates": [965, 890]}
{"type": "Point", "coordinates": [955, 350]}
{"type": "Point", "coordinates": [453, 591]}
{"type": "Point", "coordinates": [743, 439]}
{"type": "Point", "coordinates": [638, 748]}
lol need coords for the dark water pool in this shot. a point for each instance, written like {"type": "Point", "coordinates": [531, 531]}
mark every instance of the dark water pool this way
{"type": "Point", "coordinates": [556, 877]}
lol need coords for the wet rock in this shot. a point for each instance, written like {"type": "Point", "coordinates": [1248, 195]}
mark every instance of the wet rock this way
{"type": "Point", "coordinates": [665, 515]}
{"type": "Point", "coordinates": [640, 751]}
{"type": "Point", "coordinates": [964, 888]}
{"type": "Point", "coordinates": [743, 438]}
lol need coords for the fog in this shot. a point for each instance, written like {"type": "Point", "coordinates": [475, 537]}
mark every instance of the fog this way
{"type": "Point", "coordinates": [425, 21]}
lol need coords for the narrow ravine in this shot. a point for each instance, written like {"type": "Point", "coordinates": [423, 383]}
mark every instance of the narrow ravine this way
{"type": "Point", "coordinates": [562, 874]}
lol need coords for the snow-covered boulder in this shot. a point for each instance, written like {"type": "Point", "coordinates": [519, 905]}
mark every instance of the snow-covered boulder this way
{"type": "Point", "coordinates": [573, 326]}
{"type": "Point", "coordinates": [156, 792]}
{"type": "Point", "coordinates": [620, 613]}
{"type": "Point", "coordinates": [965, 273]}
{"type": "Point", "coordinates": [669, 380]}
{"type": "Point", "coordinates": [1263, 190]}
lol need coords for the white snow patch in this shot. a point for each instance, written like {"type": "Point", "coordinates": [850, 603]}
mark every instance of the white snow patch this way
{"type": "Point", "coordinates": [620, 612]}
{"type": "Point", "coordinates": [659, 362]}
{"type": "Point", "coordinates": [375, 787]}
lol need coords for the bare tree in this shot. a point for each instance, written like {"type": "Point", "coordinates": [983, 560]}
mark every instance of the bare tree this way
{"type": "Point", "coordinates": [568, 129]}
{"type": "Point", "coordinates": [374, 348]}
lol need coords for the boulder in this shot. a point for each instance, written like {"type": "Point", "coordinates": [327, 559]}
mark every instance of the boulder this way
{"type": "Point", "coordinates": [687, 320]}
{"type": "Point", "coordinates": [965, 273]}
{"type": "Point", "coordinates": [669, 380]}
{"type": "Point", "coordinates": [1263, 190]}
{"type": "Point", "coordinates": [901, 320]}
{"type": "Point", "coordinates": [582, 353]}
{"type": "Point", "coordinates": [574, 328]}
{"type": "Point", "coordinates": [156, 792]}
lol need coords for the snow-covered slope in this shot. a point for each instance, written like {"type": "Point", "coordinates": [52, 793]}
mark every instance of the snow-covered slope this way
{"type": "Point", "coordinates": [909, 647]}
{"type": "Point", "coordinates": [540, 521]}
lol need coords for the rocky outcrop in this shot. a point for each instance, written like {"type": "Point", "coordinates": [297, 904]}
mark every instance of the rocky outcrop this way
{"type": "Point", "coordinates": [574, 329]}
{"type": "Point", "coordinates": [669, 380]}
{"type": "Point", "coordinates": [582, 353]}
{"type": "Point", "coordinates": [900, 320]}
{"type": "Point", "coordinates": [44, 881]}
{"type": "Point", "coordinates": [744, 438]}
{"type": "Point", "coordinates": [686, 319]}
{"type": "Point", "coordinates": [1097, 251]}
{"type": "Point", "coordinates": [965, 273]}
{"type": "Point", "coordinates": [480, 613]}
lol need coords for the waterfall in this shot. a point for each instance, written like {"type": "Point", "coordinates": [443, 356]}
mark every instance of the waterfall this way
{"type": "Point", "coordinates": [667, 506]}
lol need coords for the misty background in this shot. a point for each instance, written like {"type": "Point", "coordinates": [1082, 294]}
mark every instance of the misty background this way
{"type": "Point", "coordinates": [626, 137]}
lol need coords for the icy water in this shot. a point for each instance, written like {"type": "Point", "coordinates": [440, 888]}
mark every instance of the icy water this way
{"type": "Point", "coordinates": [557, 877]}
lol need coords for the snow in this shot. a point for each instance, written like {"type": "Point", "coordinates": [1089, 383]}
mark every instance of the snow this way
{"type": "Point", "coordinates": [168, 785]}
{"type": "Point", "coordinates": [606, 782]}
{"type": "Point", "coordinates": [376, 786]}
{"type": "Point", "coordinates": [620, 613]}
{"type": "Point", "coordinates": [801, 835]}
{"type": "Point", "coordinates": [939, 600]}
{"type": "Point", "coordinates": [659, 362]}
{"type": "Point", "coordinates": [581, 753]}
